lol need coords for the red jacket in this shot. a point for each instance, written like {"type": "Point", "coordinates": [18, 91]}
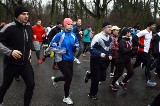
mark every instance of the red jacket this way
{"type": "Point", "coordinates": [38, 31]}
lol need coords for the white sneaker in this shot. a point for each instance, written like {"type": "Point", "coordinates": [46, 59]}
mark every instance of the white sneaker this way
{"type": "Point", "coordinates": [151, 83]}
{"type": "Point", "coordinates": [111, 75]}
{"type": "Point", "coordinates": [68, 100]}
{"type": "Point", "coordinates": [117, 83]}
{"type": "Point", "coordinates": [142, 65]}
{"type": "Point", "coordinates": [54, 83]}
{"type": "Point", "coordinates": [124, 75]}
{"type": "Point", "coordinates": [77, 61]}
{"type": "Point", "coordinates": [84, 55]}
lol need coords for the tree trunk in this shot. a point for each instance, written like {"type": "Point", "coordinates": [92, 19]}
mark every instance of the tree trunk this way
{"type": "Point", "coordinates": [65, 9]}
{"type": "Point", "coordinates": [53, 11]}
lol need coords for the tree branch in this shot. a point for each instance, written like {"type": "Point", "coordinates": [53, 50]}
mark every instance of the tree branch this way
{"type": "Point", "coordinates": [6, 7]}
{"type": "Point", "coordinates": [87, 10]}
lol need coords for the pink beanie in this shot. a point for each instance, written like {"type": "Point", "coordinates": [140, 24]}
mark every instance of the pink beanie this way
{"type": "Point", "coordinates": [67, 21]}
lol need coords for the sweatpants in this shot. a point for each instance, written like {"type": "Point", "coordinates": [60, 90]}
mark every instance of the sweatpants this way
{"type": "Point", "coordinates": [119, 71]}
{"type": "Point", "coordinates": [66, 67]}
{"type": "Point", "coordinates": [144, 58]}
{"type": "Point", "coordinates": [98, 73]}
{"type": "Point", "coordinates": [37, 46]}
{"type": "Point", "coordinates": [26, 71]}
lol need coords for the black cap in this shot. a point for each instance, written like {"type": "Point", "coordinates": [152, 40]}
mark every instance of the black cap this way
{"type": "Point", "coordinates": [150, 23]}
{"type": "Point", "coordinates": [105, 24]}
{"type": "Point", "coordinates": [19, 10]}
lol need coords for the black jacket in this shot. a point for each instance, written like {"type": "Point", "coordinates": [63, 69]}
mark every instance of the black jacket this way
{"type": "Point", "coordinates": [76, 30]}
{"type": "Point", "coordinates": [17, 36]}
{"type": "Point", "coordinates": [155, 42]}
{"type": "Point", "coordinates": [53, 32]}
{"type": "Point", "coordinates": [124, 53]}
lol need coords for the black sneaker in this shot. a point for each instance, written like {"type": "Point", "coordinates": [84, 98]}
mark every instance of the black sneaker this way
{"type": "Point", "coordinates": [45, 56]}
{"type": "Point", "coordinates": [87, 76]}
{"type": "Point", "coordinates": [123, 85]}
{"type": "Point", "coordinates": [94, 97]}
{"type": "Point", "coordinates": [17, 78]}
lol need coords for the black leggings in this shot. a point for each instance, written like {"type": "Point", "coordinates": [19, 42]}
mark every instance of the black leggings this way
{"type": "Point", "coordinates": [80, 50]}
{"type": "Point", "coordinates": [86, 46]}
{"type": "Point", "coordinates": [156, 101]}
{"type": "Point", "coordinates": [144, 58]}
{"type": "Point", "coordinates": [113, 64]}
{"type": "Point", "coordinates": [66, 67]}
{"type": "Point", "coordinates": [119, 71]}
{"type": "Point", "coordinates": [26, 71]}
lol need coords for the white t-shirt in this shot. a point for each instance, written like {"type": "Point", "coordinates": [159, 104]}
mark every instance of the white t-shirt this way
{"type": "Point", "coordinates": [48, 29]}
{"type": "Point", "coordinates": [145, 39]}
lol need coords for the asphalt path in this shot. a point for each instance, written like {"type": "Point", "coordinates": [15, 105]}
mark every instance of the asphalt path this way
{"type": "Point", "coordinates": [45, 94]}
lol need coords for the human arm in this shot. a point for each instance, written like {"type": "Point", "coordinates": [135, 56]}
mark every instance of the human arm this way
{"type": "Point", "coordinates": [135, 41]}
{"type": "Point", "coordinates": [55, 44]}
{"type": "Point", "coordinates": [123, 48]}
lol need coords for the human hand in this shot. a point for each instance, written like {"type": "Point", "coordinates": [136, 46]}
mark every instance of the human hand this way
{"type": "Point", "coordinates": [110, 57]}
{"type": "Point", "coordinates": [35, 36]}
{"type": "Point", "coordinates": [80, 32]}
{"type": "Point", "coordinates": [103, 55]}
{"type": "Point", "coordinates": [43, 35]}
{"type": "Point", "coordinates": [16, 54]}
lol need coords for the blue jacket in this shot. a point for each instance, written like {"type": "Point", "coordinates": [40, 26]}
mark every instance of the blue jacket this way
{"type": "Point", "coordinates": [63, 45]}
{"type": "Point", "coordinates": [100, 44]}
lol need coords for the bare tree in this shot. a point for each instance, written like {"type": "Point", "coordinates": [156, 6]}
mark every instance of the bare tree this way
{"type": "Point", "coordinates": [100, 10]}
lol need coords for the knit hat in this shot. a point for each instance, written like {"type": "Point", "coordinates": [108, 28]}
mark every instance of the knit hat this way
{"type": "Point", "coordinates": [150, 23]}
{"type": "Point", "coordinates": [67, 21]}
{"type": "Point", "coordinates": [105, 24]}
{"type": "Point", "coordinates": [19, 10]}
{"type": "Point", "coordinates": [59, 22]}
{"type": "Point", "coordinates": [124, 31]}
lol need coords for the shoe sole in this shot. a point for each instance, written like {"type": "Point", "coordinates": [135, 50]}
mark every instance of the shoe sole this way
{"type": "Point", "coordinates": [92, 98]}
{"type": "Point", "coordinates": [67, 103]}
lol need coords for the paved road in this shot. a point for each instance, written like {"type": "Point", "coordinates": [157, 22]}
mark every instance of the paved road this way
{"type": "Point", "coordinates": [46, 95]}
